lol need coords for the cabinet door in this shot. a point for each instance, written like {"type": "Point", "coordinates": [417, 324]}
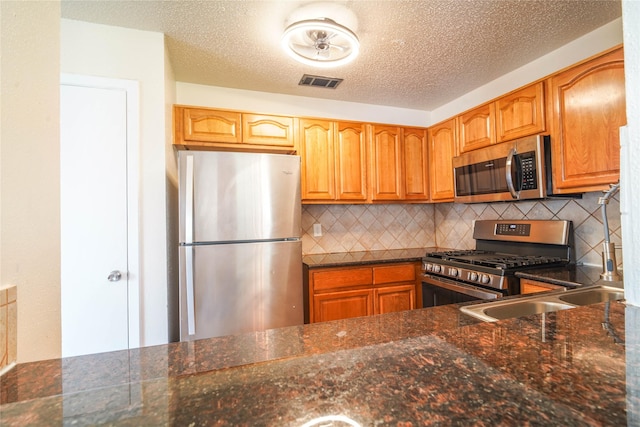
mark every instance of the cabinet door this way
{"type": "Point", "coordinates": [342, 305]}
{"type": "Point", "coordinates": [386, 163]}
{"type": "Point", "coordinates": [267, 130]}
{"type": "Point", "coordinates": [318, 160]}
{"type": "Point", "coordinates": [206, 125]}
{"type": "Point", "coordinates": [416, 164]}
{"type": "Point", "coordinates": [521, 113]}
{"type": "Point", "coordinates": [442, 148]}
{"type": "Point", "coordinates": [395, 298]}
{"type": "Point", "coordinates": [351, 162]}
{"type": "Point", "coordinates": [589, 109]}
{"type": "Point", "coordinates": [476, 128]}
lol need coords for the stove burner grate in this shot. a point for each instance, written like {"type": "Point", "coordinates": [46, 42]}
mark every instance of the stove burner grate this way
{"type": "Point", "coordinates": [494, 260]}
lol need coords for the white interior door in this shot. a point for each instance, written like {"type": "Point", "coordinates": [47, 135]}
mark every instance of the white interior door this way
{"type": "Point", "coordinates": [95, 271]}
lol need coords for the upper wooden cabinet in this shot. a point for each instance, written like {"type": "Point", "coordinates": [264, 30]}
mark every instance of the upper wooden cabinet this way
{"type": "Point", "coordinates": [442, 149]}
{"type": "Point", "coordinates": [515, 115]}
{"type": "Point", "coordinates": [386, 163]}
{"type": "Point", "coordinates": [521, 113]}
{"type": "Point", "coordinates": [208, 128]}
{"type": "Point", "coordinates": [333, 161]}
{"type": "Point", "coordinates": [261, 129]}
{"type": "Point", "coordinates": [476, 128]}
{"type": "Point", "coordinates": [398, 164]}
{"type": "Point", "coordinates": [589, 107]}
{"type": "Point", "coordinates": [416, 164]}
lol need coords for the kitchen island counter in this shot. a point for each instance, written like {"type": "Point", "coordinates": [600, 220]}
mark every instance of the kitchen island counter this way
{"type": "Point", "coordinates": [421, 367]}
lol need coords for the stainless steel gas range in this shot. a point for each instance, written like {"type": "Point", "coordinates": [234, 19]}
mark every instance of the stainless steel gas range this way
{"type": "Point", "coordinates": [502, 249]}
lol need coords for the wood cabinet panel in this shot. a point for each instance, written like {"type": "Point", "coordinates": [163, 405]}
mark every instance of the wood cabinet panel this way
{"type": "Point", "coordinates": [386, 163]}
{"type": "Point", "coordinates": [394, 274]}
{"type": "Point", "coordinates": [589, 105]}
{"type": "Point", "coordinates": [268, 130]}
{"type": "Point", "coordinates": [341, 278]}
{"type": "Point", "coordinates": [351, 162]}
{"type": "Point", "coordinates": [442, 149]}
{"type": "Point", "coordinates": [394, 298]}
{"type": "Point", "coordinates": [528, 286]}
{"type": "Point", "coordinates": [318, 160]}
{"type": "Point", "coordinates": [204, 125]}
{"type": "Point", "coordinates": [476, 128]}
{"type": "Point", "coordinates": [416, 164]}
{"type": "Point", "coordinates": [342, 305]}
{"type": "Point", "coordinates": [521, 113]}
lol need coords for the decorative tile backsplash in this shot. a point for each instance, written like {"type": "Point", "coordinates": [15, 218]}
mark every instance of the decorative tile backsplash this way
{"type": "Point", "coordinates": [8, 327]}
{"type": "Point", "coordinates": [450, 225]}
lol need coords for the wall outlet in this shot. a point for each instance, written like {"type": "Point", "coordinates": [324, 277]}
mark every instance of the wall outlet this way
{"type": "Point", "coordinates": [317, 230]}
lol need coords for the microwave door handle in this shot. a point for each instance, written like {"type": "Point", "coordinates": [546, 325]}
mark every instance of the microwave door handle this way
{"type": "Point", "coordinates": [509, 172]}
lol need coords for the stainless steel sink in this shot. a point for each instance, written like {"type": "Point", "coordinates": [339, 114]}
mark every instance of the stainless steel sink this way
{"type": "Point", "coordinates": [537, 304]}
{"type": "Point", "coordinates": [592, 296]}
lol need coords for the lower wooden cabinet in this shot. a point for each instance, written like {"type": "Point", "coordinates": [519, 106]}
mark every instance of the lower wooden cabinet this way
{"type": "Point", "coordinates": [343, 292]}
{"type": "Point", "coordinates": [528, 286]}
{"type": "Point", "coordinates": [394, 298]}
{"type": "Point", "coordinates": [342, 305]}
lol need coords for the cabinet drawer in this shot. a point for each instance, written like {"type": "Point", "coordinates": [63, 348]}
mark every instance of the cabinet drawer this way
{"type": "Point", "coordinates": [323, 280]}
{"type": "Point", "coordinates": [394, 273]}
{"type": "Point", "coordinates": [528, 286]}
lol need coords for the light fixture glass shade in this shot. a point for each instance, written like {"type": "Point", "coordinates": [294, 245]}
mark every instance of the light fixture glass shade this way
{"type": "Point", "coordinates": [320, 43]}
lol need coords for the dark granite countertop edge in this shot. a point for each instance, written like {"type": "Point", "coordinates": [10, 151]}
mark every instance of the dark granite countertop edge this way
{"type": "Point", "coordinates": [572, 276]}
{"type": "Point", "coordinates": [344, 259]}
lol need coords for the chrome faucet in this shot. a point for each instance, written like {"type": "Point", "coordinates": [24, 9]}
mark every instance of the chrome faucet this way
{"type": "Point", "coordinates": [609, 264]}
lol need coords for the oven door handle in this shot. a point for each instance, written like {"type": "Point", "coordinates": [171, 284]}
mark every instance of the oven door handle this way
{"type": "Point", "coordinates": [510, 164]}
{"type": "Point", "coordinates": [480, 293]}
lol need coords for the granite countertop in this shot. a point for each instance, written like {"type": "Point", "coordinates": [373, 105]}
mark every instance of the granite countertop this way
{"type": "Point", "coordinates": [343, 259]}
{"type": "Point", "coordinates": [432, 366]}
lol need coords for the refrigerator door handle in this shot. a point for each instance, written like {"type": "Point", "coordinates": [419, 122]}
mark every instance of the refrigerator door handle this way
{"type": "Point", "coordinates": [189, 269]}
{"type": "Point", "coordinates": [188, 222]}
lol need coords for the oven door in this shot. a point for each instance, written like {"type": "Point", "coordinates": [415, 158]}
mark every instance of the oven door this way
{"type": "Point", "coordinates": [440, 291]}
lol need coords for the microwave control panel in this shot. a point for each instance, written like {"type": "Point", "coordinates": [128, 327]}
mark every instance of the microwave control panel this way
{"type": "Point", "coordinates": [528, 170]}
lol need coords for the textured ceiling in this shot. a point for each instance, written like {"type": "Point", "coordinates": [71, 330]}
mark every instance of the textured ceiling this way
{"type": "Point", "coordinates": [414, 54]}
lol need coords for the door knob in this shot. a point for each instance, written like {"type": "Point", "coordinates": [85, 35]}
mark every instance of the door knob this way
{"type": "Point", "coordinates": [114, 276]}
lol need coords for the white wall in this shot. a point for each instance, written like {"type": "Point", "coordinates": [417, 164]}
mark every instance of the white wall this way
{"type": "Point", "coordinates": [270, 103]}
{"type": "Point", "coordinates": [30, 169]}
{"type": "Point", "coordinates": [597, 41]}
{"type": "Point", "coordinates": [630, 157]}
{"type": "Point", "coordinates": [100, 50]}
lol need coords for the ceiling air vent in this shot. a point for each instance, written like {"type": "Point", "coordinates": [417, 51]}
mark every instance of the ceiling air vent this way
{"type": "Point", "coordinates": [319, 81]}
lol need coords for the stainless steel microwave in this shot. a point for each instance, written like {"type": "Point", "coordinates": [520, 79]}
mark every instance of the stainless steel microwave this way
{"type": "Point", "coordinates": [514, 170]}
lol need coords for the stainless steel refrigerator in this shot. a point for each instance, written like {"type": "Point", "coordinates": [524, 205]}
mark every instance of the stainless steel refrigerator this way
{"type": "Point", "coordinates": [240, 250]}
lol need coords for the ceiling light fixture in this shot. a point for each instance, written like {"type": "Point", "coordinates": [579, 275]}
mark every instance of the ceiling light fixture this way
{"type": "Point", "coordinates": [320, 43]}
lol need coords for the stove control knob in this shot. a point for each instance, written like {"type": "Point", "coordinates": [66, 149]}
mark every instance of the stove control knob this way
{"type": "Point", "coordinates": [485, 279]}
{"type": "Point", "coordinates": [454, 272]}
{"type": "Point", "coordinates": [427, 266]}
{"type": "Point", "coordinates": [437, 268]}
{"type": "Point", "coordinates": [473, 276]}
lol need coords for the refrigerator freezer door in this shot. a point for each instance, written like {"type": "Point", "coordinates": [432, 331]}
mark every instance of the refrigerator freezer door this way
{"type": "Point", "coordinates": [241, 288]}
{"type": "Point", "coordinates": [228, 196]}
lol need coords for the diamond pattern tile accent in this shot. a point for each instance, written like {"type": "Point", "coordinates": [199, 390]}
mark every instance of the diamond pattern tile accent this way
{"type": "Point", "coordinates": [367, 227]}
{"type": "Point", "coordinates": [450, 225]}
